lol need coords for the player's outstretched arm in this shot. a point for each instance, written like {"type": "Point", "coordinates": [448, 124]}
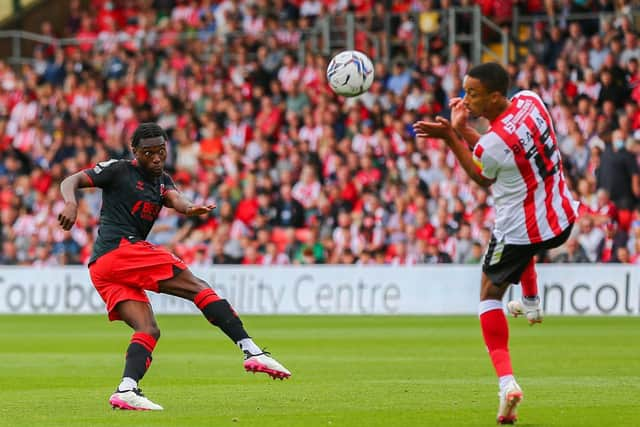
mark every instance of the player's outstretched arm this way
{"type": "Point", "coordinates": [68, 188]}
{"type": "Point", "coordinates": [174, 199]}
{"type": "Point", "coordinates": [442, 129]}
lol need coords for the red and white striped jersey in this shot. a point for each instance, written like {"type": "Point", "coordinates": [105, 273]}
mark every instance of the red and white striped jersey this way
{"type": "Point", "coordinates": [520, 152]}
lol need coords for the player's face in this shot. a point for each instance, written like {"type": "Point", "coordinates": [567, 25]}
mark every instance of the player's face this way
{"type": "Point", "coordinates": [476, 98]}
{"type": "Point", "coordinates": [151, 154]}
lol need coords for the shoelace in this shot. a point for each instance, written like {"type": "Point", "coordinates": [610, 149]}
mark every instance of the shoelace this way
{"type": "Point", "coordinates": [137, 391]}
{"type": "Point", "coordinates": [264, 352]}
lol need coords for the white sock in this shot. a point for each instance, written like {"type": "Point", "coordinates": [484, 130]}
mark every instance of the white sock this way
{"type": "Point", "coordinates": [247, 344]}
{"type": "Point", "coordinates": [127, 384]}
{"type": "Point", "coordinates": [504, 380]}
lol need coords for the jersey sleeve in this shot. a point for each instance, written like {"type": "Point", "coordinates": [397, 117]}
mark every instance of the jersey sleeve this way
{"type": "Point", "coordinates": [487, 165]}
{"type": "Point", "coordinates": [167, 184]}
{"type": "Point", "coordinates": [103, 174]}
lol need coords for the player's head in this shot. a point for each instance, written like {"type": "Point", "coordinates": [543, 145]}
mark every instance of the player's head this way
{"type": "Point", "coordinates": [149, 144]}
{"type": "Point", "coordinates": [486, 87]}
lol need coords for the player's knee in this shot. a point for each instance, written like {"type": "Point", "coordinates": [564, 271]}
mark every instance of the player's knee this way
{"type": "Point", "coordinates": [152, 330]}
{"type": "Point", "coordinates": [490, 290]}
{"type": "Point", "coordinates": [196, 286]}
{"type": "Point", "coordinates": [200, 285]}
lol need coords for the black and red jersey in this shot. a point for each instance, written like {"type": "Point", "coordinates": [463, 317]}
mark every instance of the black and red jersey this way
{"type": "Point", "coordinates": [131, 201]}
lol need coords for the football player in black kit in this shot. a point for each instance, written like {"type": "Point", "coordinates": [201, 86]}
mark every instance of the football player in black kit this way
{"type": "Point", "coordinates": [123, 265]}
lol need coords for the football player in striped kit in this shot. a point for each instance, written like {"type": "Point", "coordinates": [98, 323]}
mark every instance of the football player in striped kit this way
{"type": "Point", "coordinates": [518, 157]}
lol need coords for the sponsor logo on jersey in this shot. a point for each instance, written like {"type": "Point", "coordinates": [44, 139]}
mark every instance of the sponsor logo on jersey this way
{"type": "Point", "coordinates": [148, 211]}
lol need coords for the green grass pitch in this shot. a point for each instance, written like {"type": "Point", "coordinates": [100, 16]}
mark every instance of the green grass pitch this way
{"type": "Point", "coordinates": [347, 371]}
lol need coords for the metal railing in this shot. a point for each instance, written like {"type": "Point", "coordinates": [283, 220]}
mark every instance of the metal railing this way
{"type": "Point", "coordinates": [601, 17]}
{"type": "Point", "coordinates": [446, 27]}
{"type": "Point", "coordinates": [504, 40]}
{"type": "Point", "coordinates": [20, 54]}
{"type": "Point", "coordinates": [318, 39]}
{"type": "Point", "coordinates": [480, 25]}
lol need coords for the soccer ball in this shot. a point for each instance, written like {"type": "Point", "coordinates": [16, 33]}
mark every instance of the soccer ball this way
{"type": "Point", "coordinates": [350, 73]}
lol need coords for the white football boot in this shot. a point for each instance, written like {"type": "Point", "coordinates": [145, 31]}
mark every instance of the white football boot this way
{"type": "Point", "coordinates": [133, 400]}
{"type": "Point", "coordinates": [263, 362]}
{"type": "Point", "coordinates": [529, 307]}
{"type": "Point", "coordinates": [510, 397]}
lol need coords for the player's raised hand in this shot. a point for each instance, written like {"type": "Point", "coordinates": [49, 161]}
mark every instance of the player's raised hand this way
{"type": "Point", "coordinates": [68, 216]}
{"type": "Point", "coordinates": [441, 128]}
{"type": "Point", "coordinates": [459, 113]}
{"type": "Point", "coordinates": [200, 209]}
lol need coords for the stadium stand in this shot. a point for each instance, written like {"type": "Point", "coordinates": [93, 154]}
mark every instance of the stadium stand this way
{"type": "Point", "coordinates": [300, 175]}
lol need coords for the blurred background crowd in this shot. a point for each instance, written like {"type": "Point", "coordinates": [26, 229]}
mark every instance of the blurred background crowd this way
{"type": "Point", "coordinates": [299, 175]}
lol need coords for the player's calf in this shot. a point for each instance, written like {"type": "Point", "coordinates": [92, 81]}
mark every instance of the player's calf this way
{"type": "Point", "coordinates": [220, 313]}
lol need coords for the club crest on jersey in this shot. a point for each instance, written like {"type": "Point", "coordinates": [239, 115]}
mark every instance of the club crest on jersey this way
{"type": "Point", "coordinates": [140, 185]}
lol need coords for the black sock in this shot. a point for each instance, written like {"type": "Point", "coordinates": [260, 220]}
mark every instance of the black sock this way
{"type": "Point", "coordinates": [219, 313]}
{"type": "Point", "coordinates": [138, 357]}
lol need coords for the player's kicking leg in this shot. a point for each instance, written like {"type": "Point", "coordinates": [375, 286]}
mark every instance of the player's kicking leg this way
{"type": "Point", "coordinates": [128, 395]}
{"type": "Point", "coordinates": [219, 313]}
{"type": "Point", "coordinates": [529, 306]}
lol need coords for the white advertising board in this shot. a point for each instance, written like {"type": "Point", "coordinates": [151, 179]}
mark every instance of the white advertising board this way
{"type": "Point", "coordinates": [356, 290]}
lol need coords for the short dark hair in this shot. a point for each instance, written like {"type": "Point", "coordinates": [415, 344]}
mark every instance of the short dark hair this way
{"type": "Point", "coordinates": [147, 130]}
{"type": "Point", "coordinates": [493, 77]}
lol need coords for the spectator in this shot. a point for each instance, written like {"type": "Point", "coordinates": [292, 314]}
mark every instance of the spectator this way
{"type": "Point", "coordinates": [475, 257]}
{"type": "Point", "coordinates": [614, 238]}
{"type": "Point", "coordinates": [619, 175]}
{"type": "Point", "coordinates": [590, 238]}
{"type": "Point", "coordinates": [571, 252]}
{"type": "Point", "coordinates": [274, 257]}
{"type": "Point", "coordinates": [310, 252]}
{"type": "Point", "coordinates": [631, 50]}
{"type": "Point", "coordinates": [554, 49]}
{"type": "Point", "coordinates": [622, 256]}
{"type": "Point", "coordinates": [307, 190]}
{"type": "Point", "coordinates": [433, 255]}
{"type": "Point", "coordinates": [400, 78]}
{"type": "Point", "coordinates": [610, 90]}
{"type": "Point", "coordinates": [605, 211]}
{"type": "Point", "coordinates": [539, 44]}
{"type": "Point", "coordinates": [597, 52]}
{"type": "Point", "coordinates": [290, 212]}
{"type": "Point", "coordinates": [463, 244]}
{"type": "Point", "coordinates": [220, 256]}
{"type": "Point", "coordinates": [69, 247]}
{"type": "Point", "coordinates": [347, 257]}
{"type": "Point", "coordinates": [9, 254]}
{"type": "Point", "coordinates": [401, 256]}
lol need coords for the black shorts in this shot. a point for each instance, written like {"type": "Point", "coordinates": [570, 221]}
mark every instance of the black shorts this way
{"type": "Point", "coordinates": [504, 263]}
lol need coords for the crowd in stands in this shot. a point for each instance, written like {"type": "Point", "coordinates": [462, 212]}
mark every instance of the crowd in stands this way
{"type": "Point", "coordinates": [300, 175]}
